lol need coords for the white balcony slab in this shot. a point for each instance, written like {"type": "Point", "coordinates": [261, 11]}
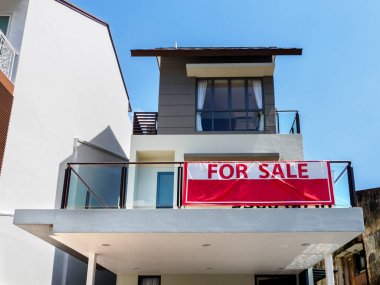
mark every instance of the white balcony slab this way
{"type": "Point", "coordinates": [169, 241]}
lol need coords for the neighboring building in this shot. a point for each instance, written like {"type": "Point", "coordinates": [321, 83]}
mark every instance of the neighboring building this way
{"type": "Point", "coordinates": [217, 127]}
{"type": "Point", "coordinates": [358, 262]}
{"type": "Point", "coordinates": [62, 99]}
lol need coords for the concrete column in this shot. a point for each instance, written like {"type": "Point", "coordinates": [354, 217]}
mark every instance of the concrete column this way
{"type": "Point", "coordinates": [329, 267]}
{"type": "Point", "coordinates": [91, 269]}
{"type": "Point", "coordinates": [310, 276]}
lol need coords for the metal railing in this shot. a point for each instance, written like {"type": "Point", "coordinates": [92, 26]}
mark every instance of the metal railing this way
{"type": "Point", "coordinates": [288, 122]}
{"type": "Point", "coordinates": [106, 185]}
{"type": "Point", "coordinates": [145, 123]}
{"type": "Point", "coordinates": [7, 56]}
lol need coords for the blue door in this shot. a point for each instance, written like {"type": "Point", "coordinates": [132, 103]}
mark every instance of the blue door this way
{"type": "Point", "coordinates": [165, 188]}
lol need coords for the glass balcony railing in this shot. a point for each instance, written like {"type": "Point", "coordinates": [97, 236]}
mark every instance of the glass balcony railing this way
{"type": "Point", "coordinates": [288, 122]}
{"type": "Point", "coordinates": [159, 185]}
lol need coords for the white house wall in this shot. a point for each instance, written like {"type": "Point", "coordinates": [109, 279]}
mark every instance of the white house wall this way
{"type": "Point", "coordinates": [68, 86]}
{"type": "Point", "coordinates": [289, 147]}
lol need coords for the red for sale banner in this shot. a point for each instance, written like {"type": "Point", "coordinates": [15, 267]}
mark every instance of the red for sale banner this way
{"type": "Point", "coordinates": [258, 183]}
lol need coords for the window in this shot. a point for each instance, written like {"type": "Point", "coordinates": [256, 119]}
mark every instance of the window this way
{"type": "Point", "coordinates": [149, 280]}
{"type": "Point", "coordinates": [229, 105]}
{"type": "Point", "coordinates": [359, 262]}
{"type": "Point", "coordinates": [4, 24]}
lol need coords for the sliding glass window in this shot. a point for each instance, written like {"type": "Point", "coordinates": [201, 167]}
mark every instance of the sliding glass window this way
{"type": "Point", "coordinates": [229, 105]}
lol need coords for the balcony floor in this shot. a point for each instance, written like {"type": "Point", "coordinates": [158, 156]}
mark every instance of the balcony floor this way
{"type": "Point", "coordinates": [169, 241]}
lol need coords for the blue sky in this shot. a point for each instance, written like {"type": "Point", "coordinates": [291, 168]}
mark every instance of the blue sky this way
{"type": "Point", "coordinates": [334, 84]}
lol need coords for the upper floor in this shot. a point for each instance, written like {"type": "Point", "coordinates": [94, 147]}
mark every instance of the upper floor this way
{"type": "Point", "coordinates": [216, 91]}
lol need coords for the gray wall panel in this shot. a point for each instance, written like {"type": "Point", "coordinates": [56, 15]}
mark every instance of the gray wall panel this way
{"type": "Point", "coordinates": [177, 98]}
{"type": "Point", "coordinates": [166, 99]}
{"type": "Point", "coordinates": [176, 105]}
{"type": "Point", "coordinates": [180, 122]}
{"type": "Point", "coordinates": [176, 111]}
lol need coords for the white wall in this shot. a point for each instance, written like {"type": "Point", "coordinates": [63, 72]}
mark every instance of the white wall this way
{"type": "Point", "coordinates": [289, 147]}
{"type": "Point", "coordinates": [195, 279]}
{"type": "Point", "coordinates": [68, 85]}
{"type": "Point", "coordinates": [145, 184]}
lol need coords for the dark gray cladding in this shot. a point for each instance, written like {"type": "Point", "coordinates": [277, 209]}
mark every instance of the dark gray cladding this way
{"type": "Point", "coordinates": [176, 105]}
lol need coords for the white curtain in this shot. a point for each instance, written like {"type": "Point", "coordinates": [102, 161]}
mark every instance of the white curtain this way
{"type": "Point", "coordinates": [151, 281]}
{"type": "Point", "coordinates": [257, 89]}
{"type": "Point", "coordinates": [202, 87]}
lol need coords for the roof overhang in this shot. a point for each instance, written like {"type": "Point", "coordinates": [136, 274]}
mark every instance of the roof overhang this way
{"type": "Point", "coordinates": [219, 51]}
{"type": "Point", "coordinates": [174, 241]}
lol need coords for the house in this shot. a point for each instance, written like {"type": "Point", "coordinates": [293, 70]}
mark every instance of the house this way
{"type": "Point", "coordinates": [62, 98]}
{"type": "Point", "coordinates": [216, 189]}
{"type": "Point", "coordinates": [357, 262]}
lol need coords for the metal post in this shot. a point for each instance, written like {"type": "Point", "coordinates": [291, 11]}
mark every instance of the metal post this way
{"type": "Point", "coordinates": [278, 122]}
{"type": "Point", "coordinates": [65, 191]}
{"type": "Point", "coordinates": [329, 268]}
{"type": "Point", "coordinates": [298, 123]}
{"type": "Point", "coordinates": [179, 187]}
{"type": "Point", "coordinates": [91, 269]}
{"type": "Point", "coordinates": [351, 185]}
{"type": "Point", "coordinates": [310, 276]}
{"type": "Point", "coordinates": [123, 186]}
{"type": "Point", "coordinates": [178, 190]}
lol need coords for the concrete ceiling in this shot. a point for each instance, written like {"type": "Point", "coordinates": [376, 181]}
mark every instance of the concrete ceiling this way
{"type": "Point", "coordinates": [184, 253]}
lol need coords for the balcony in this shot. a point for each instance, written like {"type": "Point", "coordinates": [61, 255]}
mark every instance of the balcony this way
{"type": "Point", "coordinates": [7, 56]}
{"type": "Point", "coordinates": [287, 122]}
{"type": "Point", "coordinates": [137, 185]}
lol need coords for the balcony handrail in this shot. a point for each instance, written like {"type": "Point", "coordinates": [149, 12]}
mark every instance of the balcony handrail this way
{"type": "Point", "coordinates": [295, 127]}
{"type": "Point", "coordinates": [7, 56]}
{"type": "Point", "coordinates": [346, 164]}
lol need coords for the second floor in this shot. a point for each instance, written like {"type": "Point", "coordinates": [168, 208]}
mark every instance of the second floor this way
{"type": "Point", "coordinates": [216, 91]}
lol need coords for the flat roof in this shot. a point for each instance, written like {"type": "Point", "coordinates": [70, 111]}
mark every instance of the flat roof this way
{"type": "Point", "coordinates": [216, 51]}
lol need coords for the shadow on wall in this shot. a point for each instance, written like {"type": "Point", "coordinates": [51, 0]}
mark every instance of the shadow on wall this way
{"type": "Point", "coordinates": [102, 148]}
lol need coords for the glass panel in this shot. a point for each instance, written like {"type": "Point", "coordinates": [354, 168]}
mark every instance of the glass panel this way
{"type": "Point", "coordinates": [4, 22]}
{"type": "Point", "coordinates": [286, 122]}
{"type": "Point", "coordinates": [101, 183]}
{"type": "Point", "coordinates": [221, 121]}
{"type": "Point", "coordinates": [77, 193]}
{"type": "Point", "coordinates": [238, 94]}
{"type": "Point", "coordinates": [254, 120]}
{"type": "Point", "coordinates": [221, 94]}
{"type": "Point", "coordinates": [206, 121]}
{"type": "Point", "coordinates": [252, 103]}
{"type": "Point", "coordinates": [208, 99]}
{"type": "Point", "coordinates": [165, 187]}
{"type": "Point", "coordinates": [341, 185]}
{"type": "Point", "coordinates": [239, 121]}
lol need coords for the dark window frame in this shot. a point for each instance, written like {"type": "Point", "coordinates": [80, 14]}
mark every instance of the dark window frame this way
{"type": "Point", "coordinates": [142, 277]}
{"type": "Point", "coordinates": [212, 110]}
{"type": "Point", "coordinates": [275, 276]}
{"type": "Point", "coordinates": [360, 262]}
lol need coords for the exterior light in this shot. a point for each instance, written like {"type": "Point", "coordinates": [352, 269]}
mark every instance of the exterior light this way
{"type": "Point", "coordinates": [106, 244]}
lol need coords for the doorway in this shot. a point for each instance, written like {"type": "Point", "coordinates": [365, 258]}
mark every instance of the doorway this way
{"type": "Point", "coordinates": [165, 187]}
